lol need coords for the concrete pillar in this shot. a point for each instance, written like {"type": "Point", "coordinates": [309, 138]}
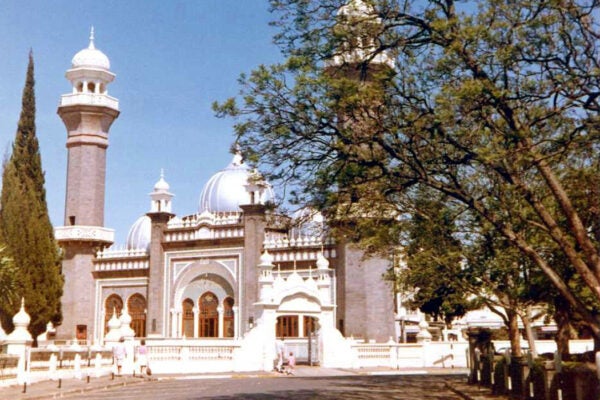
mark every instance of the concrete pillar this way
{"type": "Point", "coordinates": [196, 311]}
{"type": "Point", "coordinates": [236, 322]}
{"type": "Point", "coordinates": [221, 321]}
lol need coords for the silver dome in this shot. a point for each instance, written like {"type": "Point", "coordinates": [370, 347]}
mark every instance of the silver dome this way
{"type": "Point", "coordinates": [225, 190]}
{"type": "Point", "coordinates": [139, 234]}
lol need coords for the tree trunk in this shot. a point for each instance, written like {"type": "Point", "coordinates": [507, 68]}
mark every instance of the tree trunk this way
{"type": "Point", "coordinates": [529, 331]}
{"type": "Point", "coordinates": [513, 333]}
{"type": "Point", "coordinates": [563, 323]}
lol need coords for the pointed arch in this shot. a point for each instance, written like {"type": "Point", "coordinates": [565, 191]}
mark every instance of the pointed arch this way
{"type": "Point", "coordinates": [209, 315]}
{"type": "Point", "coordinates": [228, 317]}
{"type": "Point", "coordinates": [113, 303]}
{"type": "Point", "coordinates": [136, 306]}
{"type": "Point", "coordinates": [187, 320]}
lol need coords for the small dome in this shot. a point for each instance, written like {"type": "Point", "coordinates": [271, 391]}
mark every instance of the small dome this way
{"type": "Point", "coordinates": [114, 322]}
{"type": "Point", "coordinates": [322, 262]}
{"type": "Point", "coordinates": [266, 259]}
{"type": "Point", "coordinates": [226, 190]}
{"type": "Point", "coordinates": [161, 185]}
{"type": "Point", "coordinates": [21, 319]}
{"type": "Point", "coordinates": [91, 57]}
{"type": "Point", "coordinates": [139, 234]}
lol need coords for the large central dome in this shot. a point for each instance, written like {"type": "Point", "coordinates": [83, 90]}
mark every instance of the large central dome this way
{"type": "Point", "coordinates": [226, 190]}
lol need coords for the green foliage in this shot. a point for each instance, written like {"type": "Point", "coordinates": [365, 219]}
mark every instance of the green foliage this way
{"type": "Point", "coordinates": [8, 286]}
{"type": "Point", "coordinates": [494, 107]}
{"type": "Point", "coordinates": [25, 225]}
{"type": "Point", "coordinates": [434, 270]}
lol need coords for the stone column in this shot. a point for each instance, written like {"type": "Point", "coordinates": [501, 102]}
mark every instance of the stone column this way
{"type": "Point", "coordinates": [221, 320]}
{"type": "Point", "coordinates": [236, 322]}
{"type": "Point", "coordinates": [196, 311]}
{"type": "Point", "coordinates": [156, 276]}
{"type": "Point", "coordinates": [254, 220]}
{"type": "Point", "coordinates": [173, 323]}
{"type": "Point", "coordinates": [300, 325]}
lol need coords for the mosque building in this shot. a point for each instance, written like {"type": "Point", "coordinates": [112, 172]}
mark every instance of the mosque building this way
{"type": "Point", "coordinates": [234, 263]}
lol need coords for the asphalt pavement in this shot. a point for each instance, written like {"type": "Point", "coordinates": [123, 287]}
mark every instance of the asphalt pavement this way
{"type": "Point", "coordinates": [52, 389]}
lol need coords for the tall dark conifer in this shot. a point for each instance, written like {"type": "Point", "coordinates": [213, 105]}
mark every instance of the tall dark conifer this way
{"type": "Point", "coordinates": [25, 225]}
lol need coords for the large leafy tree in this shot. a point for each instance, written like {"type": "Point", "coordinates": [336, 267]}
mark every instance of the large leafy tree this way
{"type": "Point", "coordinates": [493, 103]}
{"type": "Point", "coordinates": [25, 225]}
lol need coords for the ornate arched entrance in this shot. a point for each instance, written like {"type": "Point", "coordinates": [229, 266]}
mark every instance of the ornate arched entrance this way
{"type": "Point", "coordinates": [209, 315]}
{"type": "Point", "coordinates": [204, 302]}
{"type": "Point", "coordinates": [136, 306]}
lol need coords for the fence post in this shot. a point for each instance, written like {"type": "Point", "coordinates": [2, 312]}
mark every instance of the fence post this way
{"type": "Point", "coordinates": [393, 353]}
{"type": "Point", "coordinates": [19, 342]}
{"type": "Point", "coordinates": [598, 375]}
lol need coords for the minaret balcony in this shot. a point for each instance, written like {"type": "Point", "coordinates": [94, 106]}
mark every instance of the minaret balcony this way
{"type": "Point", "coordinates": [81, 233]}
{"type": "Point", "coordinates": [92, 99]}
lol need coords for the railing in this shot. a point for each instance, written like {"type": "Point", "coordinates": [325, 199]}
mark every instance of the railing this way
{"type": "Point", "coordinates": [298, 241]}
{"type": "Point", "coordinates": [204, 233]}
{"type": "Point", "coordinates": [299, 346]}
{"type": "Point", "coordinates": [411, 355]}
{"type": "Point", "coordinates": [192, 356]}
{"type": "Point", "coordinates": [8, 366]}
{"type": "Point", "coordinates": [121, 253]}
{"type": "Point", "coordinates": [89, 98]}
{"type": "Point", "coordinates": [119, 265]}
{"type": "Point", "coordinates": [301, 255]}
{"type": "Point", "coordinates": [208, 218]}
{"type": "Point", "coordinates": [84, 233]}
{"type": "Point", "coordinates": [67, 358]}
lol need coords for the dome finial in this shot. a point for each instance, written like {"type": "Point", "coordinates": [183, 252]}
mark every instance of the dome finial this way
{"type": "Point", "coordinates": [162, 173]}
{"type": "Point", "coordinates": [91, 46]}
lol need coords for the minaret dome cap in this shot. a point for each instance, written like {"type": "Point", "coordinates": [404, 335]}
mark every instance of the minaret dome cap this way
{"type": "Point", "coordinates": [91, 57]}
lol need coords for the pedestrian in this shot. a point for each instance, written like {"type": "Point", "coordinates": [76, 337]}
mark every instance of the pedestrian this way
{"type": "Point", "coordinates": [279, 346]}
{"type": "Point", "coordinates": [142, 356]}
{"type": "Point", "coordinates": [291, 364]}
{"type": "Point", "coordinates": [119, 354]}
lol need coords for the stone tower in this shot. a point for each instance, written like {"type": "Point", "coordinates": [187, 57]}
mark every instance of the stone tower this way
{"type": "Point", "coordinates": [87, 112]}
{"type": "Point", "coordinates": [159, 214]}
{"type": "Point", "coordinates": [360, 285]}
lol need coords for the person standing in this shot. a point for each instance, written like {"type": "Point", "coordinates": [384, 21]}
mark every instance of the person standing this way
{"type": "Point", "coordinates": [119, 354]}
{"type": "Point", "coordinates": [142, 356]}
{"type": "Point", "coordinates": [279, 346]}
{"type": "Point", "coordinates": [291, 364]}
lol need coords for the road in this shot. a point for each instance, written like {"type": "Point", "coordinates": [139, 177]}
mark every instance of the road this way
{"type": "Point", "coordinates": [368, 387]}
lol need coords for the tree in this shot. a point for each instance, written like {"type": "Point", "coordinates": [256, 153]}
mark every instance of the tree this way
{"type": "Point", "coordinates": [495, 106]}
{"type": "Point", "coordinates": [8, 285]}
{"type": "Point", "coordinates": [434, 260]}
{"type": "Point", "coordinates": [25, 225]}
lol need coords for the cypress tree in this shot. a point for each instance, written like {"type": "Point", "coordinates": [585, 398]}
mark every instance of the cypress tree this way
{"type": "Point", "coordinates": [25, 225]}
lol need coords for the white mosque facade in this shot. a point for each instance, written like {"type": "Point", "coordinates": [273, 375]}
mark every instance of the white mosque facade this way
{"type": "Point", "coordinates": [233, 267]}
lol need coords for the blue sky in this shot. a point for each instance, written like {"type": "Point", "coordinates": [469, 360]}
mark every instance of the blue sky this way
{"type": "Point", "coordinates": [172, 60]}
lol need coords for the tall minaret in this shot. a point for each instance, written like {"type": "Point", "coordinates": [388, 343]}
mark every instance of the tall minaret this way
{"type": "Point", "coordinates": [360, 287]}
{"type": "Point", "coordinates": [87, 112]}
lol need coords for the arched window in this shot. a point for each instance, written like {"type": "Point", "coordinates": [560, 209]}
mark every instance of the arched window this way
{"type": "Point", "coordinates": [111, 304]}
{"type": "Point", "coordinates": [187, 322]}
{"type": "Point", "coordinates": [287, 326]}
{"type": "Point", "coordinates": [228, 327]}
{"type": "Point", "coordinates": [310, 325]}
{"type": "Point", "coordinates": [79, 87]}
{"type": "Point", "coordinates": [91, 86]}
{"type": "Point", "coordinates": [209, 316]}
{"type": "Point", "coordinates": [136, 305]}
